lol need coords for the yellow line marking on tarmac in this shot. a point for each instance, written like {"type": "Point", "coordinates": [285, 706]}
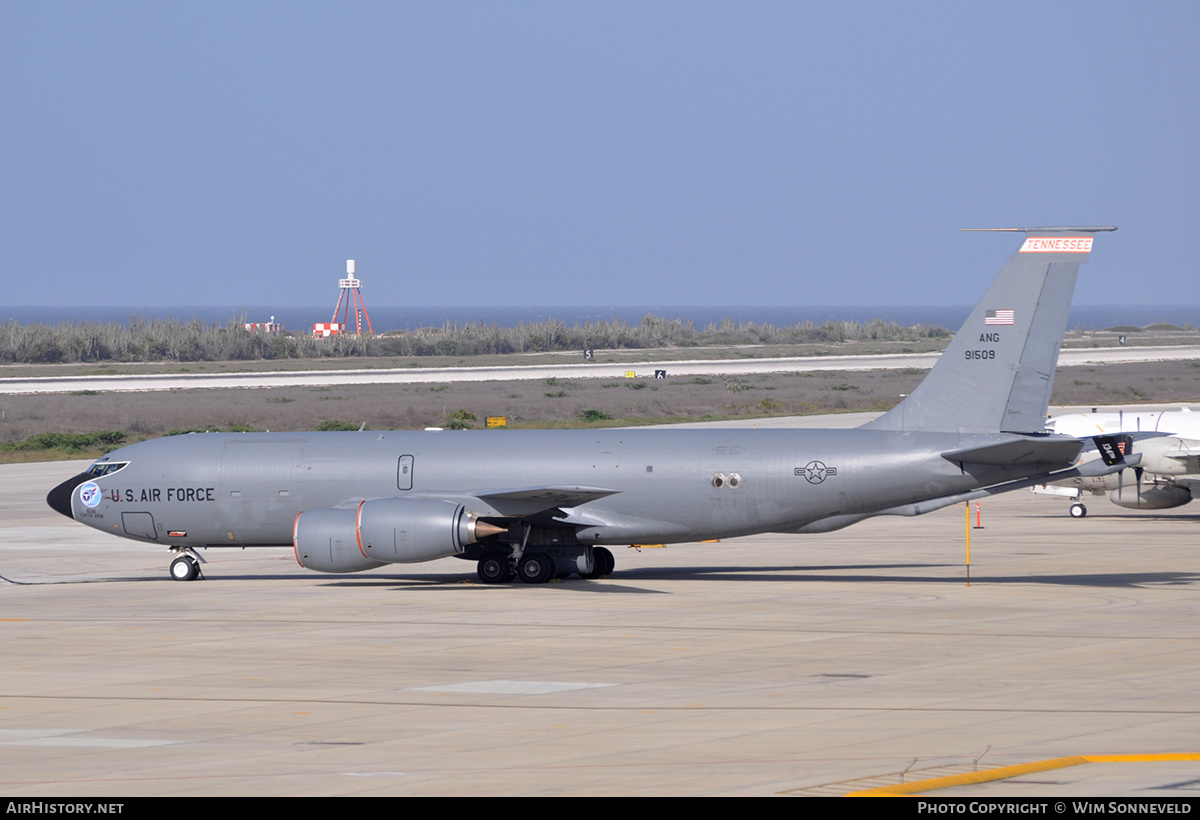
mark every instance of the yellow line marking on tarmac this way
{"type": "Point", "coordinates": [1005, 772]}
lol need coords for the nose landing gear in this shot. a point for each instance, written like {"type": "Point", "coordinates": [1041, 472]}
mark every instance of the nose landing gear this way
{"type": "Point", "coordinates": [186, 566]}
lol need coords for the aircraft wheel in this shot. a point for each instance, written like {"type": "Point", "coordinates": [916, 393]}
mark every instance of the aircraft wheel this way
{"type": "Point", "coordinates": [1078, 510]}
{"type": "Point", "coordinates": [602, 563]}
{"type": "Point", "coordinates": [184, 568]}
{"type": "Point", "coordinates": [535, 568]}
{"type": "Point", "coordinates": [494, 569]}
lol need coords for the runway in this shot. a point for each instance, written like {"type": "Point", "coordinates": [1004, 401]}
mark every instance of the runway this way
{"type": "Point", "coordinates": [770, 665]}
{"type": "Point", "coordinates": [582, 370]}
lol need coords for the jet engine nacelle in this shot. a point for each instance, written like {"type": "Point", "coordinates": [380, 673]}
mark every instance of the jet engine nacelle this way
{"type": "Point", "coordinates": [385, 531]}
{"type": "Point", "coordinates": [327, 541]}
{"type": "Point", "coordinates": [1150, 496]}
{"type": "Point", "coordinates": [409, 530]}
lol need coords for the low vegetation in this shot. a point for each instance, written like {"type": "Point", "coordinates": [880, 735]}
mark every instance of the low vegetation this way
{"type": "Point", "coordinates": [330, 426]}
{"type": "Point", "coordinates": [170, 340]}
{"type": "Point", "coordinates": [460, 420]}
{"type": "Point", "coordinates": [101, 440]}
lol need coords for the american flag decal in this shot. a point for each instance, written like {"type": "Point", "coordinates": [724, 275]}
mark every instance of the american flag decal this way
{"type": "Point", "coordinates": [999, 317]}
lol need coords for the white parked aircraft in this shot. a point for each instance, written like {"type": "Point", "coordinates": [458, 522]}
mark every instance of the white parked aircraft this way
{"type": "Point", "coordinates": [1168, 474]}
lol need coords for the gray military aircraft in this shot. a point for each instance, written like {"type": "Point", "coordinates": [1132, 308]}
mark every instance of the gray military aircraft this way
{"type": "Point", "coordinates": [544, 503]}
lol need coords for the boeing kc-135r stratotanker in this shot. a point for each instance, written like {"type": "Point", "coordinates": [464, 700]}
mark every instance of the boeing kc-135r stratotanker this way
{"type": "Point", "coordinates": [544, 503]}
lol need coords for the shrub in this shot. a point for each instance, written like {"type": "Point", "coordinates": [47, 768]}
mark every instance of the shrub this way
{"type": "Point", "coordinates": [460, 420]}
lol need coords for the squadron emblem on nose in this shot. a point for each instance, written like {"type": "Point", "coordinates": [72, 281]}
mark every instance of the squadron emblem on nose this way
{"type": "Point", "coordinates": [89, 494]}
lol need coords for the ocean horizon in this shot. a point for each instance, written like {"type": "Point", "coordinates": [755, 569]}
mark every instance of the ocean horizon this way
{"type": "Point", "coordinates": [384, 318]}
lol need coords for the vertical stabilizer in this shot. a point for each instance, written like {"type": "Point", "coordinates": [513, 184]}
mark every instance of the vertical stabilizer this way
{"type": "Point", "coordinates": [996, 374]}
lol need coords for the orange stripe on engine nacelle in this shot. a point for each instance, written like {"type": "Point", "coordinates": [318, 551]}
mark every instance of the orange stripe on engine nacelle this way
{"type": "Point", "coordinates": [295, 533]}
{"type": "Point", "coordinates": [358, 529]}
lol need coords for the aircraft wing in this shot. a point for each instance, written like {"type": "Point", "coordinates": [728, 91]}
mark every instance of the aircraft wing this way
{"type": "Point", "coordinates": [523, 501]}
{"type": "Point", "coordinates": [565, 504]}
{"type": "Point", "coordinates": [519, 502]}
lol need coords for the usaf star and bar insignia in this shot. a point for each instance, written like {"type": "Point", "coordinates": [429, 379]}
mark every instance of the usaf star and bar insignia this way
{"type": "Point", "coordinates": [815, 472]}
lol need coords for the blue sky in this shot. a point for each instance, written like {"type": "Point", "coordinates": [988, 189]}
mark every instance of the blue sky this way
{"type": "Point", "coordinates": [508, 153]}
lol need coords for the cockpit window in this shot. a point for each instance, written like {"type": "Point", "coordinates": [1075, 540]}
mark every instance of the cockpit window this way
{"type": "Point", "coordinates": [105, 468]}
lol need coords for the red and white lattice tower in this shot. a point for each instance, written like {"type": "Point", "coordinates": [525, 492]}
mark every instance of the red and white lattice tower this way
{"type": "Point", "coordinates": [351, 292]}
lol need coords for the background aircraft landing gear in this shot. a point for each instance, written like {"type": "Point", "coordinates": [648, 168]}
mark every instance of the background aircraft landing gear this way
{"type": "Point", "coordinates": [186, 566]}
{"type": "Point", "coordinates": [1078, 510]}
{"type": "Point", "coordinates": [494, 568]}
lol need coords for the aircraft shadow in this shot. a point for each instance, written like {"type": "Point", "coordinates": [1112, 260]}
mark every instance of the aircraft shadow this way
{"type": "Point", "coordinates": [830, 574]}
{"type": "Point", "coordinates": [856, 575]}
{"type": "Point", "coordinates": [833, 574]}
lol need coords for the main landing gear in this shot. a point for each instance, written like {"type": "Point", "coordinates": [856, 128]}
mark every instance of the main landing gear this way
{"type": "Point", "coordinates": [495, 567]}
{"type": "Point", "coordinates": [604, 564]}
{"type": "Point", "coordinates": [536, 568]}
{"type": "Point", "coordinates": [186, 566]}
{"type": "Point", "coordinates": [1078, 510]}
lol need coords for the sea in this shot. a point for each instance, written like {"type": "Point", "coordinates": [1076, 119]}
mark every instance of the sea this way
{"type": "Point", "coordinates": [1087, 317]}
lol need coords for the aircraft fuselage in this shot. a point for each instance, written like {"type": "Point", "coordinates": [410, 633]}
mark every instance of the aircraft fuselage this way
{"type": "Point", "coordinates": [236, 490]}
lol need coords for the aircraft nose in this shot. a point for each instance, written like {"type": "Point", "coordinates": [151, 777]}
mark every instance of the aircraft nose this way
{"type": "Point", "coordinates": [59, 498]}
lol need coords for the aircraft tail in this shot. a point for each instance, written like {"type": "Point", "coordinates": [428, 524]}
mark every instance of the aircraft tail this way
{"type": "Point", "coordinates": [996, 374]}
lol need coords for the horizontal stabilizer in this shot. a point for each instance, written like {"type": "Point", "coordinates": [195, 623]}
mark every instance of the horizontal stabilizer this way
{"type": "Point", "coordinates": [1062, 450]}
{"type": "Point", "coordinates": [1089, 470]}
